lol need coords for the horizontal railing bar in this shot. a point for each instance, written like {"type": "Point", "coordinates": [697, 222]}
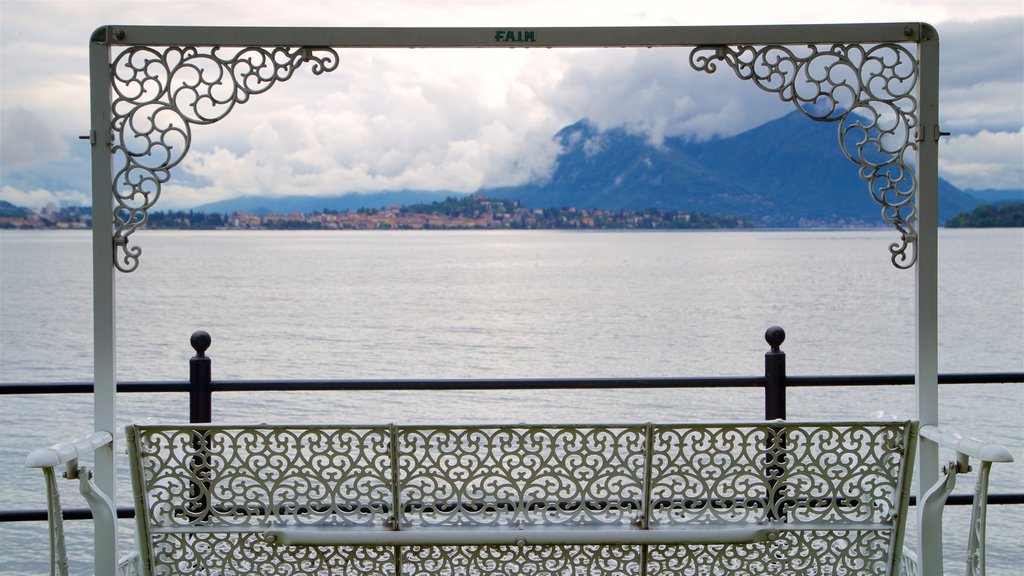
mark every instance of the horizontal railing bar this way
{"type": "Point", "coordinates": [87, 387]}
{"type": "Point", "coordinates": [39, 515]}
{"type": "Point", "coordinates": [905, 379]}
{"type": "Point", "coordinates": [488, 384]}
{"type": "Point", "coordinates": [513, 383]}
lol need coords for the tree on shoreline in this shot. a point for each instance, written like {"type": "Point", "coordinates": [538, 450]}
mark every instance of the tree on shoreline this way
{"type": "Point", "coordinates": [1008, 215]}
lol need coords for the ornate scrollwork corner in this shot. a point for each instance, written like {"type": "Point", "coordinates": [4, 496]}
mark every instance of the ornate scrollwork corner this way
{"type": "Point", "coordinates": [160, 93]}
{"type": "Point", "coordinates": [868, 90]}
{"type": "Point", "coordinates": [125, 259]}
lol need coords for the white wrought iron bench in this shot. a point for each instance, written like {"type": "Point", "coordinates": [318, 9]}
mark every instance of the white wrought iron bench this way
{"type": "Point", "coordinates": [763, 498]}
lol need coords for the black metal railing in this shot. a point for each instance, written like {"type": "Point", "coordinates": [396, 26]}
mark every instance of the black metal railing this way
{"type": "Point", "coordinates": [201, 387]}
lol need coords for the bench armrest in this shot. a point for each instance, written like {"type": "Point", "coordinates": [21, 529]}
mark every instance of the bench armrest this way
{"type": "Point", "coordinates": [67, 454]}
{"type": "Point", "coordinates": [970, 447]}
{"type": "Point", "coordinates": [931, 506]}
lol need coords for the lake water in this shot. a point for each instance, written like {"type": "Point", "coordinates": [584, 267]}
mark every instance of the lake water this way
{"type": "Point", "coordinates": [493, 304]}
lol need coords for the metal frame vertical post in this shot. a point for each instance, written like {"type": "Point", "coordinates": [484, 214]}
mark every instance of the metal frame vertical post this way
{"type": "Point", "coordinates": [775, 375]}
{"type": "Point", "coordinates": [929, 551]}
{"type": "Point", "coordinates": [775, 409]}
{"type": "Point", "coordinates": [200, 393]}
{"type": "Point", "coordinates": [104, 303]}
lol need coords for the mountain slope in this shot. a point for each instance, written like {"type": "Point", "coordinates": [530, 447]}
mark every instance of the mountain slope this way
{"type": "Point", "coordinates": [307, 204]}
{"type": "Point", "coordinates": [618, 170]}
{"type": "Point", "coordinates": [787, 172]}
{"type": "Point", "coordinates": [799, 164]}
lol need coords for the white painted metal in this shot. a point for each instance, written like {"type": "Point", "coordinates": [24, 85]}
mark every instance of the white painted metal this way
{"type": "Point", "coordinates": [486, 504]}
{"type": "Point", "coordinates": [489, 37]}
{"type": "Point", "coordinates": [976, 536]}
{"type": "Point", "coordinates": [103, 249]}
{"type": "Point", "coordinates": [978, 449]}
{"type": "Point", "coordinates": [926, 309]}
{"type": "Point", "coordinates": [104, 310]}
{"type": "Point", "coordinates": [852, 84]}
{"type": "Point", "coordinates": [456, 488]}
{"type": "Point", "coordinates": [104, 513]}
{"type": "Point", "coordinates": [67, 452]}
{"type": "Point", "coordinates": [55, 524]}
{"type": "Point", "coordinates": [932, 503]}
{"type": "Point", "coordinates": [931, 506]}
{"type": "Point", "coordinates": [563, 537]}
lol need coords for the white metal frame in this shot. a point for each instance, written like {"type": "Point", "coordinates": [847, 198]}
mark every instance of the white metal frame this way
{"type": "Point", "coordinates": [924, 212]}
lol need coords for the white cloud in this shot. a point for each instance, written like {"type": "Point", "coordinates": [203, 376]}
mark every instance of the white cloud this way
{"type": "Point", "coordinates": [982, 75]}
{"type": "Point", "coordinates": [994, 105]}
{"type": "Point", "coordinates": [27, 139]}
{"type": "Point", "coordinates": [654, 92]}
{"type": "Point", "coordinates": [39, 197]}
{"type": "Point", "coordinates": [460, 119]}
{"type": "Point", "coordinates": [984, 160]}
{"type": "Point", "coordinates": [405, 120]}
{"type": "Point", "coordinates": [981, 51]}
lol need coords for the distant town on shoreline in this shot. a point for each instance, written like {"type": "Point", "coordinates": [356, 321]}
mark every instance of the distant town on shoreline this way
{"type": "Point", "coordinates": [466, 213]}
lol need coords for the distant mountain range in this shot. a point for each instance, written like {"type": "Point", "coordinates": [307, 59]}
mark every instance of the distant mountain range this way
{"type": "Point", "coordinates": [787, 172]}
{"type": "Point", "coordinates": [263, 205]}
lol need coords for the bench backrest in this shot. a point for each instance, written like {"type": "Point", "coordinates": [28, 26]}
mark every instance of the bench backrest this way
{"type": "Point", "coordinates": [206, 494]}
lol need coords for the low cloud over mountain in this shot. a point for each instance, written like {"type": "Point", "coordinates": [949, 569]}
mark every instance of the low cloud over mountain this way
{"type": "Point", "coordinates": [787, 172]}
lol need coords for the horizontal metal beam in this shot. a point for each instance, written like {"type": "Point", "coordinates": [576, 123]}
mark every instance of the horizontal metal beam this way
{"type": "Point", "coordinates": [514, 384]}
{"type": "Point", "coordinates": [498, 537]}
{"type": "Point", "coordinates": [39, 514]}
{"type": "Point", "coordinates": [903, 379]}
{"type": "Point", "coordinates": [501, 36]}
{"type": "Point", "coordinates": [87, 387]}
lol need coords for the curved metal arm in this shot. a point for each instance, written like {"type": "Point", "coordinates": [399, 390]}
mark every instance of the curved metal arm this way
{"type": "Point", "coordinates": [104, 513]}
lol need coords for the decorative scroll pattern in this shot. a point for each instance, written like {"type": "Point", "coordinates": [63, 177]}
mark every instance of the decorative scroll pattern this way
{"type": "Point", "coordinates": [521, 476]}
{"type": "Point", "coordinates": [159, 94]}
{"type": "Point", "coordinates": [206, 494]}
{"type": "Point", "coordinates": [869, 90]}
{"type": "Point", "coordinates": [259, 476]}
{"type": "Point", "coordinates": [752, 474]}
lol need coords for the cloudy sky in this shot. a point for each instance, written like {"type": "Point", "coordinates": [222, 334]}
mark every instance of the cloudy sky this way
{"type": "Point", "coordinates": [459, 120]}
